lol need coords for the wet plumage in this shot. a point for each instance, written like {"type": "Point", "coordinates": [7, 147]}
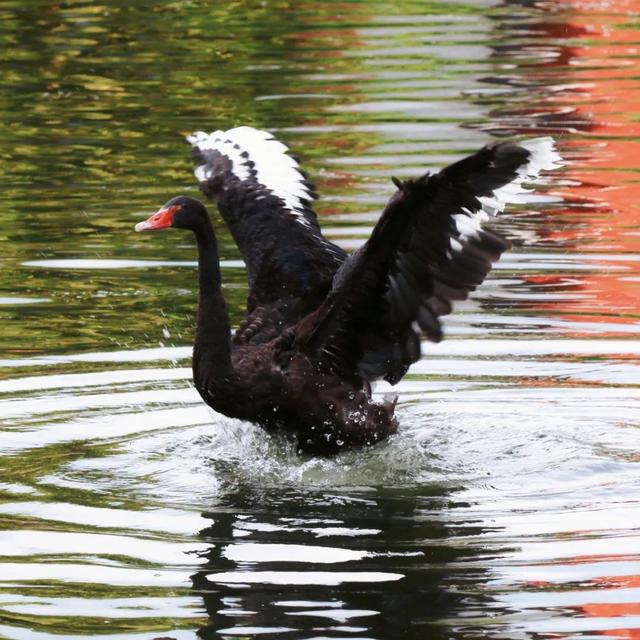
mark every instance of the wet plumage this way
{"type": "Point", "coordinates": [321, 326]}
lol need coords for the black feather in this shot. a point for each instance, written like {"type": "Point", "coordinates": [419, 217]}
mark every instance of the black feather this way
{"type": "Point", "coordinates": [407, 274]}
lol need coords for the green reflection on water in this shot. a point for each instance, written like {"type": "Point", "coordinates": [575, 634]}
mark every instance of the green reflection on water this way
{"type": "Point", "coordinates": [96, 100]}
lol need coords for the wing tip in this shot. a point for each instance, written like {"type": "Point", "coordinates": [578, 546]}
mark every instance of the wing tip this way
{"type": "Point", "coordinates": [543, 155]}
{"type": "Point", "coordinates": [201, 139]}
{"type": "Point", "coordinates": [256, 153]}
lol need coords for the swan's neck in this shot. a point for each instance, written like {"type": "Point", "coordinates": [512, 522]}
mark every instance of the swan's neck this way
{"type": "Point", "coordinates": [212, 348]}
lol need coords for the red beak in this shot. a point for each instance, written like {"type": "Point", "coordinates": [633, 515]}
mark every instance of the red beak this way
{"type": "Point", "coordinates": [159, 220]}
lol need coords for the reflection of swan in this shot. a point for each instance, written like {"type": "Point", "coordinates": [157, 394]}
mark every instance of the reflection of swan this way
{"type": "Point", "coordinates": [320, 325]}
{"type": "Point", "coordinates": [371, 564]}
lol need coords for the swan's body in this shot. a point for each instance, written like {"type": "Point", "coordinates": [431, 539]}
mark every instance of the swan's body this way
{"type": "Point", "coordinates": [321, 325]}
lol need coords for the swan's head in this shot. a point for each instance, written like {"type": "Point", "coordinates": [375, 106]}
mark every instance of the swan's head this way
{"type": "Point", "coordinates": [182, 212]}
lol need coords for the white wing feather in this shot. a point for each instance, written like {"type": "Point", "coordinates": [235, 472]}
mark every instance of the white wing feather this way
{"type": "Point", "coordinates": [543, 156]}
{"type": "Point", "coordinates": [255, 153]}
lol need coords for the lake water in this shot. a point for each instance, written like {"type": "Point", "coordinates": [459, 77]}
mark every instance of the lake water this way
{"type": "Point", "coordinates": [508, 506]}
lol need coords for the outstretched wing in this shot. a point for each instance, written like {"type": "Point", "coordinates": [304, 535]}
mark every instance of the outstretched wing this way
{"type": "Point", "coordinates": [427, 250]}
{"type": "Point", "coordinates": [265, 200]}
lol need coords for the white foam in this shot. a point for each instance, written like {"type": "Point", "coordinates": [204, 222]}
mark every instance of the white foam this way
{"type": "Point", "coordinates": [273, 167]}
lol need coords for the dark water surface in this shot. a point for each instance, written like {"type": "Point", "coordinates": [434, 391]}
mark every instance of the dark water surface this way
{"type": "Point", "coordinates": [508, 506]}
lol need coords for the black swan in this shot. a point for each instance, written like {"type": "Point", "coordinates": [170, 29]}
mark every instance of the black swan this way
{"type": "Point", "coordinates": [322, 325]}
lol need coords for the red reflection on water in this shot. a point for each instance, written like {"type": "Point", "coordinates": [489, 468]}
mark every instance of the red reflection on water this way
{"type": "Point", "coordinates": [593, 88]}
{"type": "Point", "coordinates": [601, 609]}
{"type": "Point", "coordinates": [614, 609]}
